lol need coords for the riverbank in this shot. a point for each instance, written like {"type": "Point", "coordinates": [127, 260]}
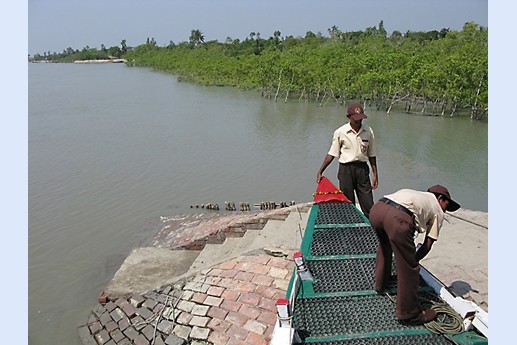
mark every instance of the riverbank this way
{"type": "Point", "coordinates": [215, 280]}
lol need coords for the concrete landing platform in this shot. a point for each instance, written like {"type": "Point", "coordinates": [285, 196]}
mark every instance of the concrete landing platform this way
{"type": "Point", "coordinates": [459, 259]}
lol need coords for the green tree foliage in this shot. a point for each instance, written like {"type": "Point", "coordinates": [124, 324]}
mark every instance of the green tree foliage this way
{"type": "Point", "coordinates": [435, 72]}
{"type": "Point", "coordinates": [87, 53]}
{"type": "Point", "coordinates": [196, 37]}
{"type": "Point", "coordinates": [123, 47]}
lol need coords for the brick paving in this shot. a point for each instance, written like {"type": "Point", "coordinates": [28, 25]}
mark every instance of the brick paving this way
{"type": "Point", "coordinates": [230, 303]}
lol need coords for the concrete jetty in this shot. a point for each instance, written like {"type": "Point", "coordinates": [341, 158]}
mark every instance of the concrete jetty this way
{"type": "Point", "coordinates": [215, 280]}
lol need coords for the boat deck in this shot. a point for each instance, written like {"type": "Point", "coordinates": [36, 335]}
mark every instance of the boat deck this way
{"type": "Point", "coordinates": [339, 306]}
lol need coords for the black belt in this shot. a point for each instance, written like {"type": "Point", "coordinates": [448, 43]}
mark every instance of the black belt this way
{"type": "Point", "coordinates": [354, 163]}
{"type": "Point", "coordinates": [394, 204]}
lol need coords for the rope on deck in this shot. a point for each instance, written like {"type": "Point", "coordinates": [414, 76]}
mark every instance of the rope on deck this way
{"type": "Point", "coordinates": [447, 321]}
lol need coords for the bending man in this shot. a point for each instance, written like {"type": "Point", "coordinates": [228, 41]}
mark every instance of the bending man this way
{"type": "Point", "coordinates": [395, 218]}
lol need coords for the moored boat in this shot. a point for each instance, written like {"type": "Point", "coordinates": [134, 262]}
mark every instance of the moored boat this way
{"type": "Point", "coordinates": [331, 301]}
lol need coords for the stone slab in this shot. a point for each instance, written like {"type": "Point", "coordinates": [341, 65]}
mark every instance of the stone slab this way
{"type": "Point", "coordinates": [148, 268]}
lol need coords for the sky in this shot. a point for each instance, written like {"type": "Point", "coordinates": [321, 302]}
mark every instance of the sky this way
{"type": "Point", "coordinates": [54, 25]}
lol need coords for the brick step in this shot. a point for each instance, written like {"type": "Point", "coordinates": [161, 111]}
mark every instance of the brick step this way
{"type": "Point", "coordinates": [275, 233]}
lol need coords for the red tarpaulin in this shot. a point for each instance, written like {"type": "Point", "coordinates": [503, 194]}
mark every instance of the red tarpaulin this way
{"type": "Point", "coordinates": [327, 192]}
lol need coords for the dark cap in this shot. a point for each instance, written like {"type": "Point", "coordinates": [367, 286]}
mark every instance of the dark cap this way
{"type": "Point", "coordinates": [438, 189]}
{"type": "Point", "coordinates": [356, 111]}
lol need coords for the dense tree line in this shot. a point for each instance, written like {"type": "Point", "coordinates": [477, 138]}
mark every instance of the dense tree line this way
{"type": "Point", "coordinates": [435, 72]}
{"type": "Point", "coordinates": [87, 53]}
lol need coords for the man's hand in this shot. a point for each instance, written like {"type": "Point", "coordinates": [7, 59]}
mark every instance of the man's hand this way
{"type": "Point", "coordinates": [328, 159]}
{"type": "Point", "coordinates": [424, 249]}
{"type": "Point", "coordinates": [375, 183]}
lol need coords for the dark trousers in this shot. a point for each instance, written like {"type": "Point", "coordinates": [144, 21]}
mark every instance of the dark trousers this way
{"type": "Point", "coordinates": [356, 177]}
{"type": "Point", "coordinates": [395, 231]}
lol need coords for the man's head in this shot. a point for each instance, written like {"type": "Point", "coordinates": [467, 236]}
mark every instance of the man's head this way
{"type": "Point", "coordinates": [444, 198]}
{"type": "Point", "coordinates": [355, 112]}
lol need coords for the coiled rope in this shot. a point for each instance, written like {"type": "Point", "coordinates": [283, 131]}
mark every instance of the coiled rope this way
{"type": "Point", "coordinates": [447, 321]}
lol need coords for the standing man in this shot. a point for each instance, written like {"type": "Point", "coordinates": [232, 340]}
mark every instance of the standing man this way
{"type": "Point", "coordinates": [354, 145]}
{"type": "Point", "coordinates": [396, 218]}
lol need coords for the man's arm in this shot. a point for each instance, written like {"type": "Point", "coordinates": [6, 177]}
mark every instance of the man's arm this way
{"type": "Point", "coordinates": [375, 180]}
{"type": "Point", "coordinates": [328, 159]}
{"type": "Point", "coordinates": [424, 248]}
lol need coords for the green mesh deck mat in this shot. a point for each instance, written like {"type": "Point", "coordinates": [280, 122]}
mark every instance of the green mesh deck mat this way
{"type": "Point", "coordinates": [339, 306]}
{"type": "Point", "coordinates": [343, 241]}
{"type": "Point", "coordinates": [338, 213]}
{"type": "Point", "coordinates": [344, 274]}
{"type": "Point", "coordinates": [406, 339]}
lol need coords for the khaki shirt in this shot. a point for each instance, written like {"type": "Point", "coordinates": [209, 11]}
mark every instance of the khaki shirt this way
{"type": "Point", "coordinates": [427, 213]}
{"type": "Point", "coordinates": [351, 146]}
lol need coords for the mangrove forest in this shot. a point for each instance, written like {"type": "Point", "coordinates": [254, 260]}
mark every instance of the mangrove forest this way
{"type": "Point", "coordinates": [433, 73]}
